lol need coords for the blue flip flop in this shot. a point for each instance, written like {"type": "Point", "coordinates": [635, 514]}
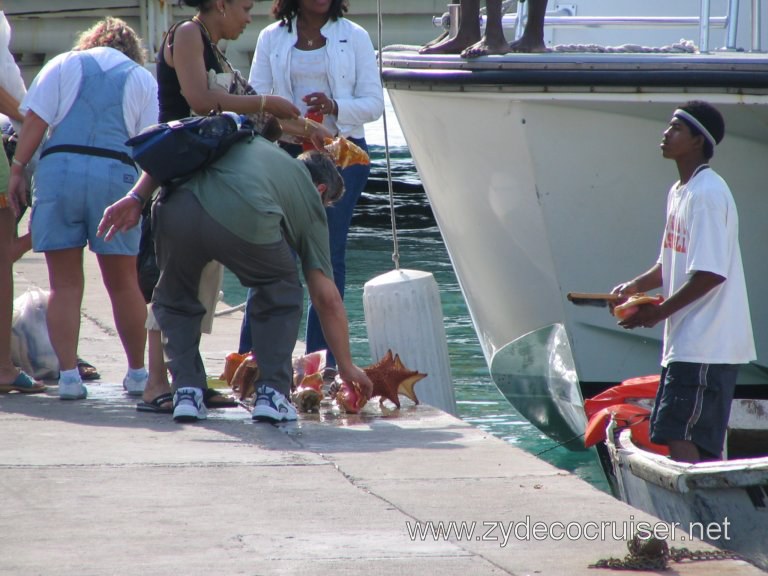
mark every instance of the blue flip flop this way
{"type": "Point", "coordinates": [24, 384]}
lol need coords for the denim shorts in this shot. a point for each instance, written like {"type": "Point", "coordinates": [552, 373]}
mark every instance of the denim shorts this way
{"type": "Point", "coordinates": [70, 193]}
{"type": "Point", "coordinates": [694, 403]}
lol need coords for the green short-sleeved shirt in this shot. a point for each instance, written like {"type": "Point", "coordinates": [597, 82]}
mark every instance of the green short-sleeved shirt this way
{"type": "Point", "coordinates": [261, 194]}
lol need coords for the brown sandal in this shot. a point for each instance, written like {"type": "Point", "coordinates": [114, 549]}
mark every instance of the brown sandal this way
{"type": "Point", "coordinates": [87, 371]}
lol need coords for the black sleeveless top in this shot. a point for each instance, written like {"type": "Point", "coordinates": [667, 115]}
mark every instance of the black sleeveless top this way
{"type": "Point", "coordinates": [172, 103]}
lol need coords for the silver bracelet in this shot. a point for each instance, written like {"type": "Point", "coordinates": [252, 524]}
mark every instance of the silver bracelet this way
{"type": "Point", "coordinates": [136, 197]}
{"type": "Point", "coordinates": [19, 162]}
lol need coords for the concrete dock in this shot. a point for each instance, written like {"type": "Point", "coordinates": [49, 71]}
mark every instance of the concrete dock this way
{"type": "Point", "coordinates": [95, 488]}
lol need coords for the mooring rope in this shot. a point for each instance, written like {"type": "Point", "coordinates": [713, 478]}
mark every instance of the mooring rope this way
{"type": "Point", "coordinates": [225, 311]}
{"type": "Point", "coordinates": [395, 247]}
{"type": "Point", "coordinates": [682, 47]}
{"type": "Point", "coordinates": [559, 445]}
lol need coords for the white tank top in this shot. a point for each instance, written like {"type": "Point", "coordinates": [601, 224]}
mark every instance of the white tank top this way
{"type": "Point", "coordinates": [309, 73]}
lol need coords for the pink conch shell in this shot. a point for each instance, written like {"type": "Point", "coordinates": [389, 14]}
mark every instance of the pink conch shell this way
{"type": "Point", "coordinates": [307, 367]}
{"type": "Point", "coordinates": [349, 397]}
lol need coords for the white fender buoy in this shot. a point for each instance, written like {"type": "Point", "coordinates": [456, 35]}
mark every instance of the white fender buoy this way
{"type": "Point", "coordinates": [403, 313]}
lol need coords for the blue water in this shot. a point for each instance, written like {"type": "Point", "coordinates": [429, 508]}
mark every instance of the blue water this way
{"type": "Point", "coordinates": [369, 253]}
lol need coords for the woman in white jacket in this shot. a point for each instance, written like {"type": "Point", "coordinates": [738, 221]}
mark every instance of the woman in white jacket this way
{"type": "Point", "coordinates": [326, 65]}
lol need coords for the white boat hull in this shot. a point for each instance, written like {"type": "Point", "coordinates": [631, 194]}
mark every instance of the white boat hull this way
{"type": "Point", "coordinates": [540, 189]}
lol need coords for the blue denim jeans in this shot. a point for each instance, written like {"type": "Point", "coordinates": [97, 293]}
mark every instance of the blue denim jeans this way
{"type": "Point", "coordinates": [339, 219]}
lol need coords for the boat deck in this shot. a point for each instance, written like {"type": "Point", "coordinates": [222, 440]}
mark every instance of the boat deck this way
{"type": "Point", "coordinates": [731, 71]}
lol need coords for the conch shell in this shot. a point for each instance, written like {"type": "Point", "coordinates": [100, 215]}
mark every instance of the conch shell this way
{"type": "Point", "coordinates": [307, 366]}
{"type": "Point", "coordinates": [307, 389]}
{"type": "Point", "coordinates": [231, 362]}
{"type": "Point", "coordinates": [243, 382]}
{"type": "Point", "coordinates": [390, 378]}
{"type": "Point", "coordinates": [349, 396]}
{"type": "Point", "coordinates": [308, 395]}
{"type": "Point", "coordinates": [631, 306]}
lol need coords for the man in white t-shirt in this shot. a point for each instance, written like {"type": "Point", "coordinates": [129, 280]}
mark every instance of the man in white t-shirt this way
{"type": "Point", "coordinates": [707, 330]}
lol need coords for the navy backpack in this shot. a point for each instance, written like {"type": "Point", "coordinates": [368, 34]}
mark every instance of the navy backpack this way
{"type": "Point", "coordinates": [171, 152]}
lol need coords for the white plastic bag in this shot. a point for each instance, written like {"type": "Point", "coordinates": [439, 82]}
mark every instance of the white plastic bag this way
{"type": "Point", "coordinates": [31, 348]}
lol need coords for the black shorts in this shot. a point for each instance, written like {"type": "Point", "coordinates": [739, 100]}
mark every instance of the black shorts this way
{"type": "Point", "coordinates": [694, 403]}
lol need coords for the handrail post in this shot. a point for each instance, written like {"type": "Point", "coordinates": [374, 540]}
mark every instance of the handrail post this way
{"type": "Point", "coordinates": [704, 26]}
{"type": "Point", "coordinates": [522, 16]}
{"type": "Point", "coordinates": [733, 24]}
{"type": "Point", "coordinates": [756, 26]}
{"type": "Point", "coordinates": [454, 13]}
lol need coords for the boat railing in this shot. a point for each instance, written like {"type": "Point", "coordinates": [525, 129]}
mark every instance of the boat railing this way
{"type": "Point", "coordinates": [565, 17]}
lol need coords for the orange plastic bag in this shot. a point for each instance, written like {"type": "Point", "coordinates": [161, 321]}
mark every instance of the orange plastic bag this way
{"type": "Point", "coordinates": [346, 153]}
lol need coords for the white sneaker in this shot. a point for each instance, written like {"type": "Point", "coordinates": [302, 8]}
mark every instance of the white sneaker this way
{"type": "Point", "coordinates": [72, 390]}
{"type": "Point", "coordinates": [188, 405]}
{"type": "Point", "coordinates": [134, 387]}
{"type": "Point", "coordinates": [272, 406]}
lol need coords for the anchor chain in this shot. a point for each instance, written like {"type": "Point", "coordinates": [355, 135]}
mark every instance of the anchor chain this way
{"type": "Point", "coordinates": [654, 554]}
{"type": "Point", "coordinates": [680, 554]}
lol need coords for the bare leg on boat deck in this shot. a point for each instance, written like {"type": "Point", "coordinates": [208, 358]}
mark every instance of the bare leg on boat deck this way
{"type": "Point", "coordinates": [493, 41]}
{"type": "Point", "coordinates": [468, 33]}
{"type": "Point", "coordinates": [435, 41]}
{"type": "Point", "coordinates": [532, 39]}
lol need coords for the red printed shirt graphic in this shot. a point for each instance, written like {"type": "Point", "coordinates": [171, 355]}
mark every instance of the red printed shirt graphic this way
{"type": "Point", "coordinates": [676, 234]}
